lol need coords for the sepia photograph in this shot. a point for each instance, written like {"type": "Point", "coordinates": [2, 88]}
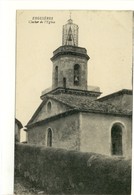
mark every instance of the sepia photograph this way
{"type": "Point", "coordinates": [73, 102]}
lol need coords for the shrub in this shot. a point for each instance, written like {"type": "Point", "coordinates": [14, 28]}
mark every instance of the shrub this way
{"type": "Point", "coordinates": [71, 172]}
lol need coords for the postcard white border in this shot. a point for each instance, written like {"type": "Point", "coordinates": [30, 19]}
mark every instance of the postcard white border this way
{"type": "Point", "coordinates": [7, 65]}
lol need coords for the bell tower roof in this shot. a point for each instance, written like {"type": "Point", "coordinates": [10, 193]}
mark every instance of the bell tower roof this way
{"type": "Point", "coordinates": [70, 33]}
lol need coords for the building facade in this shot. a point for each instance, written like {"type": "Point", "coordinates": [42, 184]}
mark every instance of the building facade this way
{"type": "Point", "coordinates": [71, 116]}
{"type": "Point", "coordinates": [18, 127]}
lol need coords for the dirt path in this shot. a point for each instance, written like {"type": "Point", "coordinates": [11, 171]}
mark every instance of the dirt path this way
{"type": "Point", "coordinates": [22, 187]}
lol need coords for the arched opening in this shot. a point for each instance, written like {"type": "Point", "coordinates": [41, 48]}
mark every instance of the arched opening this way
{"type": "Point", "coordinates": [64, 82]}
{"type": "Point", "coordinates": [56, 76]}
{"type": "Point", "coordinates": [49, 106]}
{"type": "Point", "coordinates": [76, 74]}
{"type": "Point", "coordinates": [49, 138]}
{"type": "Point", "coordinates": [116, 139]}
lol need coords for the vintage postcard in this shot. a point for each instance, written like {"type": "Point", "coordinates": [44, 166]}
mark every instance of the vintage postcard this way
{"type": "Point", "coordinates": [73, 125]}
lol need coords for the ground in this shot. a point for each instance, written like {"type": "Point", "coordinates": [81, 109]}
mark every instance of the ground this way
{"type": "Point", "coordinates": [23, 187]}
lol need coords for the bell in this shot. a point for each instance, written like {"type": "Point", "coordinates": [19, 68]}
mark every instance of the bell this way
{"type": "Point", "coordinates": [76, 78]}
{"type": "Point", "coordinates": [70, 39]}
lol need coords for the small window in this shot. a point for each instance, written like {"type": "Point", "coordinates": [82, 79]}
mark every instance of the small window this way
{"type": "Point", "coordinates": [56, 76]}
{"type": "Point", "coordinates": [76, 74]}
{"type": "Point", "coordinates": [49, 138]}
{"type": "Point", "coordinates": [49, 107]}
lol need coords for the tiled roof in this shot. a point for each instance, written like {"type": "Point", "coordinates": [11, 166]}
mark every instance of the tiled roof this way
{"type": "Point", "coordinates": [84, 103]}
{"type": "Point", "coordinates": [115, 94]}
{"type": "Point", "coordinates": [81, 104]}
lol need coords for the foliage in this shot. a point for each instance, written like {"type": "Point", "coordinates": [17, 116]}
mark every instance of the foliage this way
{"type": "Point", "coordinates": [61, 171]}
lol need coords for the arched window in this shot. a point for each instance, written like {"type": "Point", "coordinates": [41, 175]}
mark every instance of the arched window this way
{"type": "Point", "coordinates": [49, 107]}
{"type": "Point", "coordinates": [56, 76]}
{"type": "Point", "coordinates": [116, 139]}
{"type": "Point", "coordinates": [76, 74]}
{"type": "Point", "coordinates": [49, 138]}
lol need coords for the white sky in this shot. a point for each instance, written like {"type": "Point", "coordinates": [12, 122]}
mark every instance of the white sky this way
{"type": "Point", "coordinates": [107, 36]}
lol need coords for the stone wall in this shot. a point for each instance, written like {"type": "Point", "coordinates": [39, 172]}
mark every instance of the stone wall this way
{"type": "Point", "coordinates": [17, 133]}
{"type": "Point", "coordinates": [87, 132]}
{"type": "Point", "coordinates": [65, 133]}
{"type": "Point", "coordinates": [96, 133]}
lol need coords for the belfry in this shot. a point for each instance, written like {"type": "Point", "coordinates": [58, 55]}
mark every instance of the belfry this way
{"type": "Point", "coordinates": [70, 33]}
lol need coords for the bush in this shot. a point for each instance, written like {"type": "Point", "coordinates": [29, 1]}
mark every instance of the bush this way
{"type": "Point", "coordinates": [62, 171]}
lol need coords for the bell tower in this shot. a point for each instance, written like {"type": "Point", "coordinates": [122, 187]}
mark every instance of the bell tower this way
{"type": "Point", "coordinates": [69, 74]}
{"type": "Point", "coordinates": [70, 61]}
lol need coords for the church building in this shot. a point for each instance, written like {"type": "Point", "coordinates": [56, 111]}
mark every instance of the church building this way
{"type": "Point", "coordinates": [72, 116]}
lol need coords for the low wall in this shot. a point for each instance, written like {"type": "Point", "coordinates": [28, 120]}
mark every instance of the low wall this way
{"type": "Point", "coordinates": [69, 172]}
